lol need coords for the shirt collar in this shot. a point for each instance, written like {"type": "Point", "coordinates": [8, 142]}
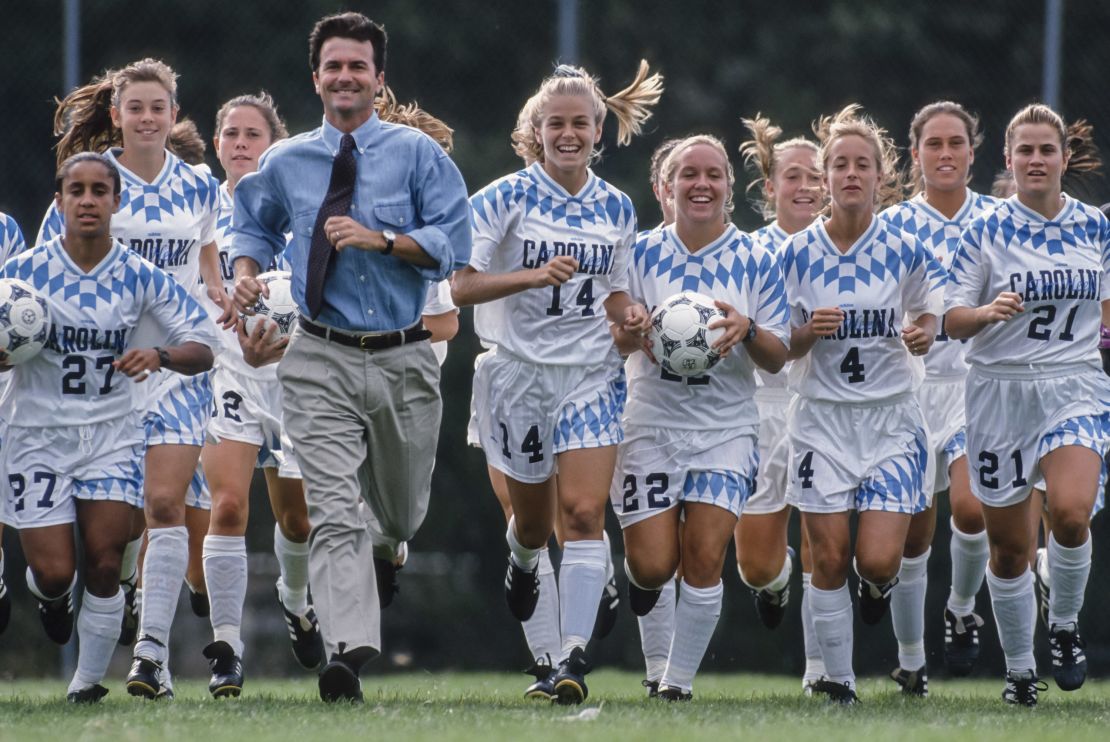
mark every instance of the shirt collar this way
{"type": "Point", "coordinates": [362, 134]}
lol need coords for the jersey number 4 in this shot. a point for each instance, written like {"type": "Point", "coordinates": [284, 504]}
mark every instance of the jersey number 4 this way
{"type": "Point", "coordinates": [584, 299]}
{"type": "Point", "coordinates": [852, 366]}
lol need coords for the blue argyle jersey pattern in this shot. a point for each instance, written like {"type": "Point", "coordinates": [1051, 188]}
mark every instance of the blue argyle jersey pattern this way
{"type": "Point", "coordinates": [525, 220]}
{"type": "Point", "coordinates": [1059, 269]}
{"type": "Point", "coordinates": [11, 238]}
{"type": "Point", "coordinates": [882, 278]}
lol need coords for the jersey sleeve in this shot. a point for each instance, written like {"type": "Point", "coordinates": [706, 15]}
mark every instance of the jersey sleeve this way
{"type": "Point", "coordinates": [923, 291]}
{"type": "Point", "coordinates": [619, 280]}
{"type": "Point", "coordinates": [52, 225]}
{"type": "Point", "coordinates": [790, 268]}
{"type": "Point", "coordinates": [177, 313]}
{"type": "Point", "coordinates": [211, 213]}
{"type": "Point", "coordinates": [488, 217]}
{"type": "Point", "coordinates": [11, 238]}
{"type": "Point", "coordinates": [772, 313]}
{"type": "Point", "coordinates": [1104, 244]}
{"type": "Point", "coordinates": [965, 281]}
{"type": "Point", "coordinates": [438, 300]}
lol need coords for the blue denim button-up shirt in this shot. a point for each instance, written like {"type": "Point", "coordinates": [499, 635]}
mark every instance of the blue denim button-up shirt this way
{"type": "Point", "coordinates": [405, 183]}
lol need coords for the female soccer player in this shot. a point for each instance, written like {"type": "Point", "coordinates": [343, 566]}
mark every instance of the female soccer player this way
{"type": "Point", "coordinates": [1029, 285]}
{"type": "Point", "coordinates": [11, 243]}
{"type": "Point", "coordinates": [943, 138]}
{"type": "Point", "coordinates": [551, 252]}
{"type": "Point", "coordinates": [856, 432]}
{"type": "Point", "coordinates": [167, 215]}
{"type": "Point", "coordinates": [793, 194]}
{"type": "Point", "coordinates": [74, 446]}
{"type": "Point", "coordinates": [690, 449]}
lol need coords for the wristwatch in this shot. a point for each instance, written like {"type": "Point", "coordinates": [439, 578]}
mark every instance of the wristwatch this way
{"type": "Point", "coordinates": [163, 357]}
{"type": "Point", "coordinates": [390, 236]}
{"type": "Point", "coordinates": [750, 336]}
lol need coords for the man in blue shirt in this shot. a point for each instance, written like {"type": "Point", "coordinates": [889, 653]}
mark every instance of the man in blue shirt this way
{"type": "Point", "coordinates": [360, 381]}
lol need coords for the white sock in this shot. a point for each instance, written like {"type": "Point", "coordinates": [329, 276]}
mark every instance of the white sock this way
{"type": "Point", "coordinates": [97, 634]}
{"type": "Point", "coordinates": [608, 556]}
{"type": "Point", "coordinates": [34, 588]}
{"type": "Point", "coordinates": [167, 557]}
{"type": "Point", "coordinates": [541, 631]}
{"type": "Point", "coordinates": [129, 566]}
{"type": "Point", "coordinates": [1069, 569]}
{"type": "Point", "coordinates": [695, 620]}
{"type": "Point", "coordinates": [970, 553]}
{"type": "Point", "coordinates": [581, 580]}
{"type": "Point", "coordinates": [832, 624]}
{"type": "Point", "coordinates": [815, 666]}
{"type": "Point", "coordinates": [778, 583]}
{"type": "Point", "coordinates": [657, 632]}
{"type": "Point", "coordinates": [293, 562]}
{"type": "Point", "coordinates": [1015, 609]}
{"type": "Point", "coordinates": [907, 610]}
{"type": "Point", "coordinates": [523, 557]}
{"type": "Point", "coordinates": [225, 572]}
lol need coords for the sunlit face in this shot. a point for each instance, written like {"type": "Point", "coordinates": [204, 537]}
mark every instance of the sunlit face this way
{"type": "Point", "coordinates": [944, 153]}
{"type": "Point", "coordinates": [347, 80]}
{"type": "Point", "coordinates": [568, 132]}
{"type": "Point", "coordinates": [852, 173]}
{"type": "Point", "coordinates": [241, 140]}
{"type": "Point", "coordinates": [87, 200]}
{"type": "Point", "coordinates": [1036, 159]}
{"type": "Point", "coordinates": [699, 186]}
{"type": "Point", "coordinates": [796, 186]}
{"type": "Point", "coordinates": [145, 115]}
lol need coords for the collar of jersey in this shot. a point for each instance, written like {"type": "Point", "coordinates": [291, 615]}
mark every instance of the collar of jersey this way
{"type": "Point", "coordinates": [726, 237]}
{"type": "Point", "coordinates": [1033, 216]}
{"type": "Point", "coordinates": [961, 213]}
{"type": "Point", "coordinates": [113, 253]}
{"type": "Point", "coordinates": [857, 246]}
{"type": "Point", "coordinates": [778, 235]}
{"type": "Point", "coordinates": [132, 179]}
{"type": "Point", "coordinates": [537, 171]}
{"type": "Point", "coordinates": [363, 134]}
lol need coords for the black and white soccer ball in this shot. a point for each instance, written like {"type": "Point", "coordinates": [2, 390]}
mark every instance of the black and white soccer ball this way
{"type": "Point", "coordinates": [680, 336]}
{"type": "Point", "coordinates": [278, 308]}
{"type": "Point", "coordinates": [24, 321]}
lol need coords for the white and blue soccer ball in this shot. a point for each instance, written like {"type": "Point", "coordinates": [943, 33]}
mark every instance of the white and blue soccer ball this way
{"type": "Point", "coordinates": [276, 309]}
{"type": "Point", "coordinates": [24, 321]}
{"type": "Point", "coordinates": [680, 336]}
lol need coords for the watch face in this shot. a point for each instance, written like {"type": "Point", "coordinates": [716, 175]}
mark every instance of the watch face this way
{"type": "Point", "coordinates": [389, 234]}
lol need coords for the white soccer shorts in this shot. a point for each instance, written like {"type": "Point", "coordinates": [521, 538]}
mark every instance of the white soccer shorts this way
{"type": "Point", "coordinates": [942, 405]}
{"type": "Point", "coordinates": [250, 411]}
{"type": "Point", "coordinates": [774, 452]}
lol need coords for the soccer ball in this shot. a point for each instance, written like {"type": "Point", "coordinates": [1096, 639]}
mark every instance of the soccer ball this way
{"type": "Point", "coordinates": [24, 321]}
{"type": "Point", "coordinates": [277, 309]}
{"type": "Point", "coordinates": [680, 336]}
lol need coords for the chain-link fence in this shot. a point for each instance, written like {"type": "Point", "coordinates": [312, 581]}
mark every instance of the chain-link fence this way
{"type": "Point", "coordinates": [474, 66]}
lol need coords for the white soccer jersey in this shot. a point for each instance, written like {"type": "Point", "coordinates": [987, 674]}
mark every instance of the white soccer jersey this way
{"type": "Point", "coordinates": [166, 221]}
{"type": "Point", "coordinates": [771, 237]}
{"type": "Point", "coordinates": [524, 220]}
{"type": "Point", "coordinates": [11, 238]}
{"type": "Point", "coordinates": [733, 270]}
{"type": "Point", "coordinates": [1059, 266]}
{"type": "Point", "coordinates": [886, 275]}
{"type": "Point", "coordinates": [93, 317]}
{"type": "Point", "coordinates": [942, 236]}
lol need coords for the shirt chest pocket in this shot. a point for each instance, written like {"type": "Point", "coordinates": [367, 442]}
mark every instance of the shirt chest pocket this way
{"type": "Point", "coordinates": [398, 214]}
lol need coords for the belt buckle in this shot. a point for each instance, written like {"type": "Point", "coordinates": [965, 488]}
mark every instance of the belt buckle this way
{"type": "Point", "coordinates": [363, 340]}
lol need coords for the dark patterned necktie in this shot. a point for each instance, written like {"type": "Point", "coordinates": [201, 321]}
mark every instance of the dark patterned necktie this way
{"type": "Point", "coordinates": [337, 202]}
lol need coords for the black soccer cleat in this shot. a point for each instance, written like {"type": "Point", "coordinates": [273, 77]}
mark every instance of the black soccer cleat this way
{"type": "Point", "coordinates": [570, 678]}
{"type": "Point", "coordinates": [199, 603]}
{"type": "Point", "coordinates": [607, 609]}
{"type": "Point", "coordinates": [1022, 688]}
{"type": "Point", "coordinates": [874, 600]}
{"type": "Point", "coordinates": [129, 624]}
{"type": "Point", "coordinates": [652, 687]}
{"type": "Point", "coordinates": [641, 600]}
{"type": "Point", "coordinates": [1042, 586]}
{"type": "Point", "coordinates": [386, 572]}
{"type": "Point", "coordinates": [544, 686]}
{"type": "Point", "coordinates": [145, 678]}
{"type": "Point", "coordinates": [914, 682]}
{"type": "Point", "coordinates": [227, 670]}
{"type": "Point", "coordinates": [1069, 662]}
{"type": "Point", "coordinates": [841, 693]}
{"type": "Point", "coordinates": [56, 616]}
{"type": "Point", "coordinates": [5, 605]}
{"type": "Point", "coordinates": [672, 694]}
{"type": "Point", "coordinates": [522, 590]}
{"type": "Point", "coordinates": [771, 605]}
{"type": "Point", "coordinates": [304, 635]}
{"type": "Point", "coordinates": [339, 682]}
{"type": "Point", "coordinates": [92, 694]}
{"type": "Point", "coordinates": [961, 642]}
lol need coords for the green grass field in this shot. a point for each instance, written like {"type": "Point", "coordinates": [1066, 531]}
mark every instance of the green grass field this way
{"type": "Point", "coordinates": [489, 707]}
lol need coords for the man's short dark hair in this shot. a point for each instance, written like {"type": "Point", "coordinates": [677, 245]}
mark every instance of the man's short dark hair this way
{"type": "Point", "coordinates": [347, 26]}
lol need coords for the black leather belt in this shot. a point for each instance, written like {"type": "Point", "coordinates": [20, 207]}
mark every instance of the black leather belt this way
{"type": "Point", "coordinates": [368, 340]}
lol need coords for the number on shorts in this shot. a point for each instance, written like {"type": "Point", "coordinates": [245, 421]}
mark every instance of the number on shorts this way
{"type": "Point", "coordinates": [700, 380]}
{"type": "Point", "coordinates": [988, 468]}
{"type": "Point", "coordinates": [73, 382]}
{"type": "Point", "coordinates": [656, 482]}
{"type": "Point", "coordinates": [631, 503]}
{"type": "Point", "coordinates": [19, 484]}
{"type": "Point", "coordinates": [532, 445]}
{"type": "Point", "coordinates": [505, 441]}
{"type": "Point", "coordinates": [805, 470]}
{"type": "Point", "coordinates": [851, 365]}
{"type": "Point", "coordinates": [232, 400]}
{"type": "Point", "coordinates": [19, 488]}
